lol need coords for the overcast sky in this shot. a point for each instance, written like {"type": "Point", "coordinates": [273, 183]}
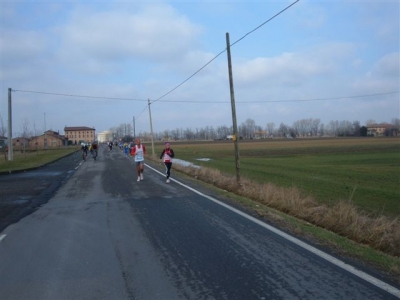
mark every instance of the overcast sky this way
{"type": "Point", "coordinates": [327, 60]}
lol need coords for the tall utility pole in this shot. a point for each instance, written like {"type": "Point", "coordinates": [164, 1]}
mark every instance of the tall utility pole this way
{"type": "Point", "coordinates": [10, 145]}
{"type": "Point", "coordinates": [134, 134]}
{"type": "Point", "coordinates": [235, 131]}
{"type": "Point", "coordinates": [151, 131]}
{"type": "Point", "coordinates": [45, 135]}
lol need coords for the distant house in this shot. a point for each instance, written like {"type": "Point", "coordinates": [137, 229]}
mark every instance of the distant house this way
{"type": "Point", "coordinates": [262, 134]}
{"type": "Point", "coordinates": [49, 139]}
{"type": "Point", "coordinates": [382, 129]}
{"type": "Point", "coordinates": [20, 143]}
{"type": "Point", "coordinates": [80, 134]}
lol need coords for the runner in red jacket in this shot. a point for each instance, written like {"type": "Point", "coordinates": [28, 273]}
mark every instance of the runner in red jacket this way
{"type": "Point", "coordinates": [168, 154]}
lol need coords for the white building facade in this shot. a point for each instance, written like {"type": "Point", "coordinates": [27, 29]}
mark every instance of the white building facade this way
{"type": "Point", "coordinates": [105, 136]}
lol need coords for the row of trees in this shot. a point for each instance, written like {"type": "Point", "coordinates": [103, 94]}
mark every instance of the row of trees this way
{"type": "Point", "coordinates": [247, 130]}
{"type": "Point", "coordinates": [250, 130]}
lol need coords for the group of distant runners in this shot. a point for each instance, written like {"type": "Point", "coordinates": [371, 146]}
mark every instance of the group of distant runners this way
{"type": "Point", "coordinates": [138, 152]}
{"type": "Point", "coordinates": [92, 148]}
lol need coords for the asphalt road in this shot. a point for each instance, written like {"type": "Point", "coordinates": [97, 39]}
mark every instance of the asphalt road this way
{"type": "Point", "coordinates": [21, 193]}
{"type": "Point", "coordinates": [94, 232]}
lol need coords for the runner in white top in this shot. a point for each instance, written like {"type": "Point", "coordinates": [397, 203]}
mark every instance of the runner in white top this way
{"type": "Point", "coordinates": [139, 152]}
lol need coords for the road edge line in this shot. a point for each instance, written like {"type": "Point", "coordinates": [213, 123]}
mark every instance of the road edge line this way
{"type": "Point", "coordinates": [349, 268]}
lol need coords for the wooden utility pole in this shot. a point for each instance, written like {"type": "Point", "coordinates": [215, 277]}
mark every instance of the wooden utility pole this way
{"type": "Point", "coordinates": [235, 131]}
{"type": "Point", "coordinates": [45, 134]}
{"type": "Point", "coordinates": [10, 145]}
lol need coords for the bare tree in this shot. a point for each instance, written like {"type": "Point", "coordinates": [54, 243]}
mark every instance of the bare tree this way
{"type": "Point", "coordinates": [3, 129]}
{"type": "Point", "coordinates": [321, 129]}
{"type": "Point", "coordinates": [144, 135]}
{"type": "Point", "coordinates": [118, 132]}
{"type": "Point", "coordinates": [223, 131]}
{"type": "Point", "coordinates": [247, 129]}
{"type": "Point", "coordinates": [356, 128]}
{"type": "Point", "coordinates": [306, 127]}
{"type": "Point", "coordinates": [189, 134]}
{"type": "Point", "coordinates": [212, 134]}
{"type": "Point", "coordinates": [25, 132]}
{"type": "Point", "coordinates": [166, 135]}
{"type": "Point", "coordinates": [270, 128]}
{"type": "Point", "coordinates": [283, 130]}
{"type": "Point", "coordinates": [345, 128]}
{"type": "Point", "coordinates": [175, 134]}
{"type": "Point", "coordinates": [251, 127]}
{"type": "Point", "coordinates": [332, 128]}
{"type": "Point", "coordinates": [315, 127]}
{"type": "Point", "coordinates": [338, 128]}
{"type": "Point", "coordinates": [300, 127]}
{"type": "Point", "coordinates": [129, 129]}
{"type": "Point", "coordinates": [243, 131]}
{"type": "Point", "coordinates": [396, 123]}
{"type": "Point", "coordinates": [207, 133]}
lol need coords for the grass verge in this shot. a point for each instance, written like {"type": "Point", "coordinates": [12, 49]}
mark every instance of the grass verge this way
{"type": "Point", "coordinates": [33, 159]}
{"type": "Point", "coordinates": [321, 236]}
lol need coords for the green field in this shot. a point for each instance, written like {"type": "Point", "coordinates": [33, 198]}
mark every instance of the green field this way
{"type": "Point", "coordinates": [365, 171]}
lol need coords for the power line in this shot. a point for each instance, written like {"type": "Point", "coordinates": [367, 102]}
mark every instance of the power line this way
{"type": "Point", "coordinates": [144, 109]}
{"type": "Point", "coordinates": [325, 99]}
{"type": "Point", "coordinates": [186, 101]}
{"type": "Point", "coordinates": [79, 96]}
{"type": "Point", "coordinates": [258, 27]}
{"type": "Point", "coordinates": [132, 99]}
{"type": "Point", "coordinates": [202, 101]}
{"type": "Point", "coordinates": [189, 77]}
{"type": "Point", "coordinates": [279, 101]}
{"type": "Point", "coordinates": [265, 22]}
{"type": "Point", "coordinates": [84, 96]}
{"type": "Point", "coordinates": [292, 100]}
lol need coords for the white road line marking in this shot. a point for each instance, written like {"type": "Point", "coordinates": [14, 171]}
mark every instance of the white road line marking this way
{"type": "Point", "coordinates": [378, 283]}
{"type": "Point", "coordinates": [79, 165]}
{"type": "Point", "coordinates": [2, 237]}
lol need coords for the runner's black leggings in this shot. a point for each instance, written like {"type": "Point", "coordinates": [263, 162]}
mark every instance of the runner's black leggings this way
{"type": "Point", "coordinates": [168, 167]}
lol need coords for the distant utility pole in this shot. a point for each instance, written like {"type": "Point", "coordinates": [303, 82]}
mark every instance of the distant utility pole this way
{"type": "Point", "coordinates": [10, 145]}
{"type": "Point", "coordinates": [151, 131]}
{"type": "Point", "coordinates": [235, 131]}
{"type": "Point", "coordinates": [45, 135]}
{"type": "Point", "coordinates": [134, 134]}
